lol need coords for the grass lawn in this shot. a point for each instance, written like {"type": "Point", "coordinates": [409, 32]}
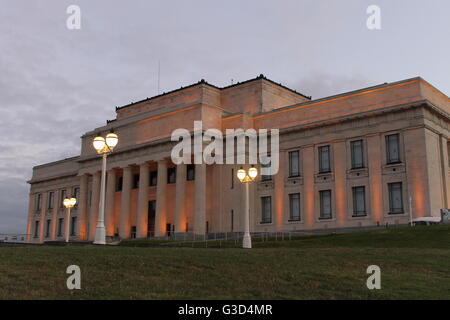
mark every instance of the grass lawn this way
{"type": "Point", "coordinates": [414, 262]}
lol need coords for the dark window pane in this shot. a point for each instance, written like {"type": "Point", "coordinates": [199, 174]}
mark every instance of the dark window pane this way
{"type": "Point", "coordinates": [153, 178]}
{"type": "Point", "coordinates": [357, 153]}
{"type": "Point", "coordinates": [119, 184]}
{"type": "Point", "coordinates": [393, 148]}
{"type": "Point", "coordinates": [190, 172]}
{"type": "Point", "coordinates": [60, 226]}
{"type": "Point", "coordinates": [324, 159]}
{"type": "Point", "coordinates": [325, 204]}
{"type": "Point", "coordinates": [63, 196]}
{"type": "Point", "coordinates": [136, 181]}
{"type": "Point", "coordinates": [359, 201]}
{"type": "Point", "coordinates": [294, 206]}
{"type": "Point", "coordinates": [171, 175]}
{"type": "Point", "coordinates": [395, 198]}
{"type": "Point", "coordinates": [294, 163]}
{"type": "Point", "coordinates": [266, 209]}
{"type": "Point", "coordinates": [73, 226]}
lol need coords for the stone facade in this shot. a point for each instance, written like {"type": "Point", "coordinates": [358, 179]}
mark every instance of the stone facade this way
{"type": "Point", "coordinates": [147, 195]}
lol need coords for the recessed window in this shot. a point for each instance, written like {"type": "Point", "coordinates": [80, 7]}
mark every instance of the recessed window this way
{"type": "Point", "coordinates": [294, 163]}
{"type": "Point", "coordinates": [266, 209]}
{"type": "Point", "coordinates": [119, 184]}
{"type": "Point", "coordinates": [153, 178]}
{"type": "Point", "coordinates": [63, 196]}
{"type": "Point", "coordinates": [190, 172]}
{"type": "Point", "coordinates": [51, 200]}
{"type": "Point", "coordinates": [76, 193]}
{"type": "Point", "coordinates": [357, 153]}
{"type": "Point", "coordinates": [73, 226]}
{"type": "Point", "coordinates": [324, 159]}
{"type": "Point", "coordinates": [266, 169]}
{"type": "Point", "coordinates": [395, 198]}
{"type": "Point", "coordinates": [325, 204]}
{"type": "Point", "coordinates": [232, 220]}
{"type": "Point", "coordinates": [36, 229]}
{"type": "Point", "coordinates": [47, 228]}
{"type": "Point", "coordinates": [393, 148]}
{"type": "Point", "coordinates": [60, 226]}
{"type": "Point", "coordinates": [232, 178]}
{"type": "Point", "coordinates": [171, 175]}
{"type": "Point", "coordinates": [136, 181]}
{"type": "Point", "coordinates": [38, 202]}
{"type": "Point", "coordinates": [294, 207]}
{"type": "Point", "coordinates": [359, 201]}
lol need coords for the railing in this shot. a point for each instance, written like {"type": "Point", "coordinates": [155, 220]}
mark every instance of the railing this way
{"type": "Point", "coordinates": [21, 237]}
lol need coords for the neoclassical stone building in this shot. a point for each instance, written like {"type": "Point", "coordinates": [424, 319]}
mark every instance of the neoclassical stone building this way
{"type": "Point", "coordinates": [362, 158]}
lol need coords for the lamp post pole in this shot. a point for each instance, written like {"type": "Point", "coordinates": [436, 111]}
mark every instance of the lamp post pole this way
{"type": "Point", "coordinates": [246, 177]}
{"type": "Point", "coordinates": [247, 241]}
{"type": "Point", "coordinates": [103, 146]}
{"type": "Point", "coordinates": [100, 232]}
{"type": "Point", "coordinates": [67, 224]}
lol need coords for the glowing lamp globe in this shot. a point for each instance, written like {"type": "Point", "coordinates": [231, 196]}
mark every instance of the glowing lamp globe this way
{"type": "Point", "coordinates": [111, 140]}
{"type": "Point", "coordinates": [99, 143]}
{"type": "Point", "coordinates": [252, 172]}
{"type": "Point", "coordinates": [241, 174]}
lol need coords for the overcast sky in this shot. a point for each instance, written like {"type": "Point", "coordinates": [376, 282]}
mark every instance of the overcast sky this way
{"type": "Point", "coordinates": [56, 83]}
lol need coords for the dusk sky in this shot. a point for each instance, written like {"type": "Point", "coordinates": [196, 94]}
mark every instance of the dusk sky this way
{"type": "Point", "coordinates": [56, 83]}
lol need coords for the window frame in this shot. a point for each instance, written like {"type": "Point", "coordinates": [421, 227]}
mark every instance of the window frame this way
{"type": "Point", "coordinates": [323, 169]}
{"type": "Point", "coordinates": [264, 219]}
{"type": "Point", "coordinates": [357, 213]}
{"type": "Point", "coordinates": [293, 174]}
{"type": "Point", "coordinates": [354, 165]}
{"type": "Point", "coordinates": [391, 201]}
{"type": "Point", "coordinates": [389, 160]}
{"type": "Point", "coordinates": [290, 198]}
{"type": "Point", "coordinates": [322, 206]}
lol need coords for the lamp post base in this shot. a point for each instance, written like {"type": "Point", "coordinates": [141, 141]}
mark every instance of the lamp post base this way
{"type": "Point", "coordinates": [247, 241]}
{"type": "Point", "coordinates": [100, 235]}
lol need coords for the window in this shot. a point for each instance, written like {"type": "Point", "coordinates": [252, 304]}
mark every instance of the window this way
{"type": "Point", "coordinates": [36, 229]}
{"type": "Point", "coordinates": [76, 193]}
{"type": "Point", "coordinates": [266, 170]}
{"type": "Point", "coordinates": [325, 204]}
{"type": "Point", "coordinates": [51, 200]}
{"type": "Point", "coordinates": [294, 207]}
{"type": "Point", "coordinates": [393, 148]}
{"type": "Point", "coordinates": [232, 178]}
{"type": "Point", "coordinates": [153, 178]}
{"type": "Point", "coordinates": [171, 175]}
{"type": "Point", "coordinates": [63, 196]}
{"type": "Point", "coordinates": [136, 181]}
{"type": "Point", "coordinates": [324, 159]}
{"type": "Point", "coordinates": [38, 202]}
{"type": "Point", "coordinates": [60, 226]}
{"type": "Point", "coordinates": [232, 220]}
{"type": "Point", "coordinates": [266, 209]}
{"type": "Point", "coordinates": [119, 184]}
{"type": "Point", "coordinates": [73, 226]}
{"type": "Point", "coordinates": [359, 201]}
{"type": "Point", "coordinates": [47, 228]}
{"type": "Point", "coordinates": [294, 163]}
{"type": "Point", "coordinates": [190, 172]}
{"type": "Point", "coordinates": [395, 198]}
{"type": "Point", "coordinates": [357, 151]}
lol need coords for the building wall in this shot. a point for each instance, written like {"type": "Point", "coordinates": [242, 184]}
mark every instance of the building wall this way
{"type": "Point", "coordinates": [412, 109]}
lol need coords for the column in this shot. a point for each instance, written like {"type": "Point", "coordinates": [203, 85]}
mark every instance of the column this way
{"type": "Point", "coordinates": [278, 206]}
{"type": "Point", "coordinates": [57, 201]}
{"type": "Point", "coordinates": [93, 213]}
{"type": "Point", "coordinates": [31, 208]}
{"type": "Point", "coordinates": [124, 227]}
{"type": "Point", "coordinates": [142, 211]}
{"type": "Point", "coordinates": [109, 203]}
{"type": "Point", "coordinates": [160, 217]}
{"type": "Point", "coordinates": [340, 182]}
{"type": "Point", "coordinates": [82, 208]}
{"type": "Point", "coordinates": [374, 158]}
{"type": "Point", "coordinates": [180, 214]}
{"type": "Point", "coordinates": [200, 199]}
{"type": "Point", "coordinates": [42, 216]}
{"type": "Point", "coordinates": [308, 185]}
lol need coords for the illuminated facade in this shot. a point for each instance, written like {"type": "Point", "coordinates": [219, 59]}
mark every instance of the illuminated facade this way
{"type": "Point", "coordinates": [352, 160]}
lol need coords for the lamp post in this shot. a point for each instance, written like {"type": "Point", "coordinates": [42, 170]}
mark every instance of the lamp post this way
{"type": "Point", "coordinates": [246, 177]}
{"type": "Point", "coordinates": [68, 203]}
{"type": "Point", "coordinates": [103, 146]}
